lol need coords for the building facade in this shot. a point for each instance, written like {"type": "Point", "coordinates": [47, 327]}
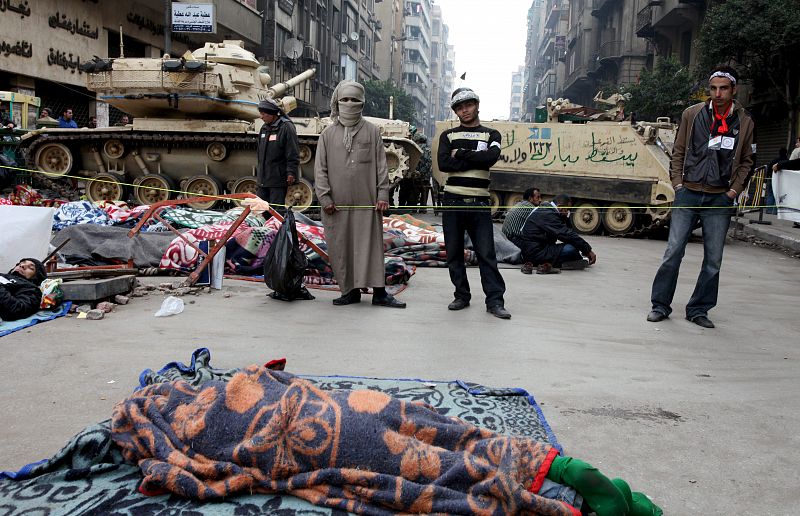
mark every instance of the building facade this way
{"type": "Point", "coordinates": [603, 48]}
{"type": "Point", "coordinates": [389, 50]}
{"type": "Point", "coordinates": [515, 112]}
{"type": "Point", "coordinates": [58, 35]}
{"type": "Point", "coordinates": [417, 59]}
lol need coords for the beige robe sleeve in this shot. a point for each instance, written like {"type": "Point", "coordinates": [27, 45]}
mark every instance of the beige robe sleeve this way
{"type": "Point", "coordinates": [382, 168]}
{"type": "Point", "coordinates": [322, 183]}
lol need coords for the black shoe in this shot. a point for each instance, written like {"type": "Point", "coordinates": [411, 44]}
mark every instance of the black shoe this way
{"type": "Point", "coordinates": [574, 265]}
{"type": "Point", "coordinates": [656, 316]}
{"type": "Point", "coordinates": [388, 300]}
{"type": "Point", "coordinates": [458, 304]}
{"type": "Point", "coordinates": [352, 297]}
{"type": "Point", "coordinates": [702, 320]}
{"type": "Point", "coordinates": [499, 311]}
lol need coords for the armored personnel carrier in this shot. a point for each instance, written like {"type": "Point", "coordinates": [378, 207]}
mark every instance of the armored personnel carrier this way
{"type": "Point", "coordinates": [617, 174]}
{"type": "Point", "coordinates": [194, 131]}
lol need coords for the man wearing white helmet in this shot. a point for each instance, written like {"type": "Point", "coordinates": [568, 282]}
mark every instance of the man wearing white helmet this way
{"type": "Point", "coordinates": [466, 153]}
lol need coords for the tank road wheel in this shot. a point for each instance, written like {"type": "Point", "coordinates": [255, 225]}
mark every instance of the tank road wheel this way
{"type": "Point", "coordinates": [305, 153]}
{"type": "Point", "coordinates": [512, 199]}
{"type": "Point", "coordinates": [494, 202]}
{"type": "Point", "coordinates": [152, 188]}
{"type": "Point", "coordinates": [586, 218]}
{"type": "Point", "coordinates": [104, 187]}
{"type": "Point", "coordinates": [300, 195]}
{"type": "Point", "coordinates": [247, 184]}
{"type": "Point", "coordinates": [54, 159]}
{"type": "Point", "coordinates": [659, 212]}
{"type": "Point", "coordinates": [114, 149]}
{"type": "Point", "coordinates": [217, 151]}
{"type": "Point", "coordinates": [618, 219]}
{"type": "Point", "coordinates": [199, 186]}
{"type": "Point", "coordinates": [397, 162]}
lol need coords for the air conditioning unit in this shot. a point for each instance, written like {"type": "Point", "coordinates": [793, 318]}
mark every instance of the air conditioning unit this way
{"type": "Point", "coordinates": [311, 53]}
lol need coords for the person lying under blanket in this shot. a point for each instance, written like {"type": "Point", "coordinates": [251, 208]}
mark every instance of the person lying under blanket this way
{"type": "Point", "coordinates": [359, 451]}
{"type": "Point", "coordinates": [19, 290]}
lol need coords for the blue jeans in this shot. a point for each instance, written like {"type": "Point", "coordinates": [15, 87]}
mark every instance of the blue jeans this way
{"type": "Point", "coordinates": [568, 253]}
{"type": "Point", "coordinates": [475, 218]}
{"type": "Point", "coordinates": [771, 209]}
{"type": "Point", "coordinates": [714, 211]}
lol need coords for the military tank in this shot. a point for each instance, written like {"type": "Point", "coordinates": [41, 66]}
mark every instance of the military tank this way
{"type": "Point", "coordinates": [195, 130]}
{"type": "Point", "coordinates": [616, 173]}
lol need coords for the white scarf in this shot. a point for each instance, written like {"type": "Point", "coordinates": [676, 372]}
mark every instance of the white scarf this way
{"type": "Point", "coordinates": [348, 114]}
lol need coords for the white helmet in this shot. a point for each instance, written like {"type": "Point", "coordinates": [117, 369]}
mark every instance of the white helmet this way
{"type": "Point", "coordinates": [462, 95]}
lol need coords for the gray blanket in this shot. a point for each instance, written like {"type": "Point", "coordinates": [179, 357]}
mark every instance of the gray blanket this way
{"type": "Point", "coordinates": [110, 243]}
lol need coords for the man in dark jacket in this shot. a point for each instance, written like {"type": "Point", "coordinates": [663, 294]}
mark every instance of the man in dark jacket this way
{"type": "Point", "coordinates": [277, 154]}
{"type": "Point", "coordinates": [711, 162]}
{"type": "Point", "coordinates": [19, 290]}
{"type": "Point", "coordinates": [539, 237]}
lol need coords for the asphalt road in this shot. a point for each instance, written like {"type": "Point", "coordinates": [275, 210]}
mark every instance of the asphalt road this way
{"type": "Point", "coordinates": [704, 421]}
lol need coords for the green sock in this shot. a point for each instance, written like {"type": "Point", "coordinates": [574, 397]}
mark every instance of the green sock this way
{"type": "Point", "coordinates": [638, 503]}
{"type": "Point", "coordinates": [599, 493]}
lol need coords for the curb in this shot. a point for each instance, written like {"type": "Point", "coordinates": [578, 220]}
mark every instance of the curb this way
{"type": "Point", "coordinates": [771, 234]}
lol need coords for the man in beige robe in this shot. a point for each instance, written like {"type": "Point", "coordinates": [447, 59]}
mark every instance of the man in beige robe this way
{"type": "Point", "coordinates": [352, 184]}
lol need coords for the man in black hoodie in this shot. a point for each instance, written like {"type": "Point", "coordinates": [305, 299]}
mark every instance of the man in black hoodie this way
{"type": "Point", "coordinates": [19, 290]}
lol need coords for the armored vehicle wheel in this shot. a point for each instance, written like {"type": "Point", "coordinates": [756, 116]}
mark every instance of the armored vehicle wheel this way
{"type": "Point", "coordinates": [660, 212]}
{"type": "Point", "coordinates": [300, 195]}
{"type": "Point", "coordinates": [397, 162]}
{"type": "Point", "coordinates": [586, 218]}
{"type": "Point", "coordinates": [54, 159]}
{"type": "Point", "coordinates": [618, 219]}
{"type": "Point", "coordinates": [494, 202]}
{"type": "Point", "coordinates": [199, 186]}
{"type": "Point", "coordinates": [152, 188]}
{"type": "Point", "coordinates": [114, 149]}
{"type": "Point", "coordinates": [512, 199]}
{"type": "Point", "coordinates": [243, 185]}
{"type": "Point", "coordinates": [305, 153]}
{"type": "Point", "coordinates": [104, 187]}
{"type": "Point", "coordinates": [217, 151]}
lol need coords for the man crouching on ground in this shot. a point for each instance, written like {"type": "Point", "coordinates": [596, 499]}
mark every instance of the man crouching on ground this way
{"type": "Point", "coordinates": [539, 237]}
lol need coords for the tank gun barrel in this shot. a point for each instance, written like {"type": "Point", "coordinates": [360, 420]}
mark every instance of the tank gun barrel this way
{"type": "Point", "coordinates": [280, 89]}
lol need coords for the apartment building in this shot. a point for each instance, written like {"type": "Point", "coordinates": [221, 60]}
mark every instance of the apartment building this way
{"type": "Point", "coordinates": [417, 59]}
{"type": "Point", "coordinates": [515, 112]}
{"type": "Point", "coordinates": [389, 49]}
{"type": "Point", "coordinates": [671, 26]}
{"type": "Point", "coordinates": [603, 47]}
{"type": "Point", "coordinates": [58, 35]}
{"type": "Point", "coordinates": [549, 53]}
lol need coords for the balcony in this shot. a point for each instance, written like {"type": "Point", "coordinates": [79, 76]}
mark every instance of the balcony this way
{"type": "Point", "coordinates": [600, 6]}
{"type": "Point", "coordinates": [644, 22]}
{"type": "Point", "coordinates": [610, 50]}
{"type": "Point", "coordinates": [547, 46]}
{"type": "Point", "coordinates": [553, 16]}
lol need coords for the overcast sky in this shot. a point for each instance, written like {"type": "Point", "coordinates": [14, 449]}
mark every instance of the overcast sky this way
{"type": "Point", "coordinates": [489, 40]}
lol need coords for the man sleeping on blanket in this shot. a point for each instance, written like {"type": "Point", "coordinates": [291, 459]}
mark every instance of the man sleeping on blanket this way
{"type": "Point", "coordinates": [19, 290]}
{"type": "Point", "coordinates": [360, 451]}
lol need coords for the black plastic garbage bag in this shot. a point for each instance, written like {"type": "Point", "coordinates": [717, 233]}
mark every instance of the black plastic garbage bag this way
{"type": "Point", "coordinates": [285, 264]}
